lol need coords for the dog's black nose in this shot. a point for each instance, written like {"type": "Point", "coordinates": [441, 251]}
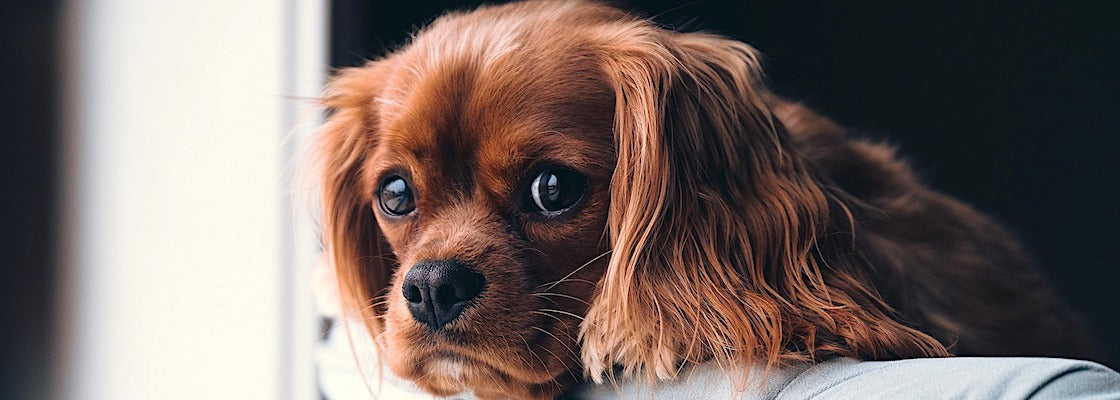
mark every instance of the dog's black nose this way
{"type": "Point", "coordinates": [437, 291]}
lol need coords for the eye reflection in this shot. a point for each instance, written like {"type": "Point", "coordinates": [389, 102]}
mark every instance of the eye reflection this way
{"type": "Point", "coordinates": [554, 191]}
{"type": "Point", "coordinates": [396, 197]}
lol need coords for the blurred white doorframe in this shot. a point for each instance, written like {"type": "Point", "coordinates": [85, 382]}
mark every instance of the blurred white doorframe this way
{"type": "Point", "coordinates": [186, 257]}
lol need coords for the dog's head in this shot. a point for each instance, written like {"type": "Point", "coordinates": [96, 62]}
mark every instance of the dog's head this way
{"type": "Point", "coordinates": [528, 188]}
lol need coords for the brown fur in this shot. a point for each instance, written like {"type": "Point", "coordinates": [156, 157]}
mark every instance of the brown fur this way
{"type": "Point", "coordinates": [722, 223]}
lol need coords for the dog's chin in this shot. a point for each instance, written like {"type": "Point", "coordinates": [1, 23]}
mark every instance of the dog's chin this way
{"type": "Point", "coordinates": [443, 364]}
{"type": "Point", "coordinates": [445, 374]}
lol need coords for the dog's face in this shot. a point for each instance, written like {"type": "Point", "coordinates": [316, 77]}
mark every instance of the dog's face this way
{"type": "Point", "coordinates": [528, 189]}
{"type": "Point", "coordinates": [491, 189]}
{"type": "Point", "coordinates": [487, 175]}
{"type": "Point", "coordinates": [489, 182]}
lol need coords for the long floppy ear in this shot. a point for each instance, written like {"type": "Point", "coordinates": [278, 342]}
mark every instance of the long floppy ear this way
{"type": "Point", "coordinates": [727, 246]}
{"type": "Point", "coordinates": [362, 260]}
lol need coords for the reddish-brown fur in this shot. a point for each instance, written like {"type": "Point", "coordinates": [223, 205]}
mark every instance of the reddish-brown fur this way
{"type": "Point", "coordinates": [722, 223]}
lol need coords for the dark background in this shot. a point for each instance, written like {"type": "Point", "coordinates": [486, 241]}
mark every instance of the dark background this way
{"type": "Point", "coordinates": [1010, 106]}
{"type": "Point", "coordinates": [29, 133]}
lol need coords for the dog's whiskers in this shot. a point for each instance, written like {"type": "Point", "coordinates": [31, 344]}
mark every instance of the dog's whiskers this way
{"type": "Point", "coordinates": [566, 329]}
{"type": "Point", "coordinates": [544, 295]}
{"type": "Point", "coordinates": [546, 310]}
{"type": "Point", "coordinates": [558, 358]}
{"type": "Point", "coordinates": [550, 316]}
{"type": "Point", "coordinates": [569, 275]}
{"type": "Point", "coordinates": [566, 347]}
{"type": "Point", "coordinates": [572, 280]}
{"type": "Point", "coordinates": [530, 350]}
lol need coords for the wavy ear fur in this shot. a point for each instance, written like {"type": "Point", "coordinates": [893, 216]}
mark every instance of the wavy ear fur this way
{"type": "Point", "coordinates": [352, 241]}
{"type": "Point", "coordinates": [727, 246]}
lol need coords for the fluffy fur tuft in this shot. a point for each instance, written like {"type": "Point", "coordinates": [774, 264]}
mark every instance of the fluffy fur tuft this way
{"type": "Point", "coordinates": [728, 246]}
{"type": "Point", "coordinates": [351, 238]}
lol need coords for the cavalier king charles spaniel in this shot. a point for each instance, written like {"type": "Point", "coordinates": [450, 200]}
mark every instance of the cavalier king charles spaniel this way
{"type": "Point", "coordinates": [532, 194]}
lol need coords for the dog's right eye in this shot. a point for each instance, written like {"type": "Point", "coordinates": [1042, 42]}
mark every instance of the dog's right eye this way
{"type": "Point", "coordinates": [396, 197]}
{"type": "Point", "coordinates": [555, 191]}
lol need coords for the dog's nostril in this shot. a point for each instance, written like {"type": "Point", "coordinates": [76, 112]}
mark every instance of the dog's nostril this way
{"type": "Point", "coordinates": [412, 294]}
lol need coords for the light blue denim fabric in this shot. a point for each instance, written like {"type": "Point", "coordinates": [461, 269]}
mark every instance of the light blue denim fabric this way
{"type": "Point", "coordinates": [933, 378]}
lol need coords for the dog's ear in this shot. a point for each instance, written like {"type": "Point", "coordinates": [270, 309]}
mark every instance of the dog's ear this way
{"type": "Point", "coordinates": [716, 224]}
{"type": "Point", "coordinates": [362, 260]}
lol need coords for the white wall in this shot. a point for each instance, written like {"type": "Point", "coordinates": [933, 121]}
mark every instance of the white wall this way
{"type": "Point", "coordinates": [183, 273]}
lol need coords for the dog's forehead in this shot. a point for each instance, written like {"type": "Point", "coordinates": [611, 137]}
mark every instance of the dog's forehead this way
{"type": "Point", "coordinates": [477, 119]}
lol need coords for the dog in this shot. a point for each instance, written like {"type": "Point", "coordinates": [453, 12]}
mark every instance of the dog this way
{"type": "Point", "coordinates": [533, 194]}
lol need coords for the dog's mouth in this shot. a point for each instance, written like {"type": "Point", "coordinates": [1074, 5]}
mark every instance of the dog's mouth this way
{"type": "Point", "coordinates": [443, 362]}
{"type": "Point", "coordinates": [450, 366]}
{"type": "Point", "coordinates": [447, 373]}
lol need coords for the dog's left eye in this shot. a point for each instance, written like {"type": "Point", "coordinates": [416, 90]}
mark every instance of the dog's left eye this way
{"type": "Point", "coordinates": [554, 191]}
{"type": "Point", "coordinates": [396, 196]}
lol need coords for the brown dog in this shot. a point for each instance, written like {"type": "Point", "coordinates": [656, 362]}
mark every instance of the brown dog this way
{"type": "Point", "coordinates": [532, 192]}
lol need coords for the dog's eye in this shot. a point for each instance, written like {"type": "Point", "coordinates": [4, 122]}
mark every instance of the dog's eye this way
{"type": "Point", "coordinates": [555, 191]}
{"type": "Point", "coordinates": [396, 196]}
